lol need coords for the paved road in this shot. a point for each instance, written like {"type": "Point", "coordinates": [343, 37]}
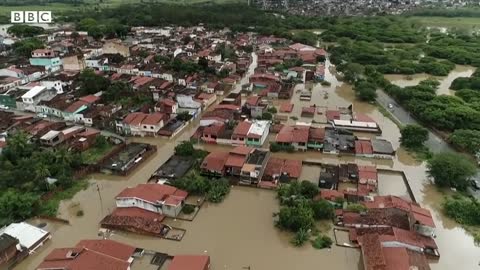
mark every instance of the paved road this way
{"type": "Point", "coordinates": [434, 142]}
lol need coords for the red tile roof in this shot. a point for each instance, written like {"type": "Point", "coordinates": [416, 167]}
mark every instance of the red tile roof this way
{"type": "Point", "coordinates": [332, 115]}
{"type": "Point", "coordinates": [214, 129]}
{"type": "Point", "coordinates": [367, 173]}
{"type": "Point", "coordinates": [329, 194]}
{"type": "Point", "coordinates": [108, 247]}
{"type": "Point", "coordinates": [190, 262]}
{"type": "Point", "coordinates": [317, 134]}
{"type": "Point", "coordinates": [242, 128]}
{"type": "Point", "coordinates": [286, 107]}
{"type": "Point", "coordinates": [293, 167]}
{"type": "Point", "coordinates": [215, 161]}
{"type": "Point", "coordinates": [363, 118]}
{"type": "Point", "coordinates": [363, 147]}
{"type": "Point", "coordinates": [234, 160]}
{"type": "Point", "coordinates": [90, 254]}
{"type": "Point", "coordinates": [231, 107]}
{"type": "Point", "coordinates": [152, 193]}
{"type": "Point", "coordinates": [241, 150]}
{"type": "Point", "coordinates": [308, 110]}
{"type": "Point", "coordinates": [90, 99]}
{"type": "Point", "coordinates": [75, 106]}
{"type": "Point", "coordinates": [253, 100]}
{"type": "Point", "coordinates": [153, 119]}
{"type": "Point", "coordinates": [291, 134]}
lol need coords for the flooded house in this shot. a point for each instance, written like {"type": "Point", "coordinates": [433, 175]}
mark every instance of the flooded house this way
{"type": "Point", "coordinates": [27, 239]}
{"type": "Point", "coordinates": [254, 106]}
{"type": "Point", "coordinates": [91, 254]}
{"type": "Point", "coordinates": [174, 168]}
{"type": "Point", "coordinates": [253, 168]}
{"type": "Point", "coordinates": [329, 177]}
{"type": "Point", "coordinates": [390, 228]}
{"type": "Point", "coordinates": [162, 199]}
{"type": "Point", "coordinates": [190, 262]}
{"type": "Point", "coordinates": [141, 124]}
{"type": "Point", "coordinates": [127, 158]}
{"type": "Point", "coordinates": [280, 170]}
{"type": "Point", "coordinates": [214, 164]}
{"type": "Point", "coordinates": [251, 133]}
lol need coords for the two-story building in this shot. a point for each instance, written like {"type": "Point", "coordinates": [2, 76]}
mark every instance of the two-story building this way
{"type": "Point", "coordinates": [162, 199]}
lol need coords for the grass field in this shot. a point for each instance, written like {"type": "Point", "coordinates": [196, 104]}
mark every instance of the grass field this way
{"type": "Point", "coordinates": [450, 22]}
{"type": "Point", "coordinates": [61, 7]}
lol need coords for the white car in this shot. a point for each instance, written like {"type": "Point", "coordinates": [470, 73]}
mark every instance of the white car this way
{"type": "Point", "coordinates": [390, 105]}
{"type": "Point", "coordinates": [3, 107]}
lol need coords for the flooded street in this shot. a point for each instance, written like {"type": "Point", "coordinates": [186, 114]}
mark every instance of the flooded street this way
{"type": "Point", "coordinates": [445, 82]}
{"type": "Point", "coordinates": [239, 232]}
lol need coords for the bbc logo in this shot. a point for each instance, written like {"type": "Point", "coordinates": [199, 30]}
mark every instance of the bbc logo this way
{"type": "Point", "coordinates": [30, 16]}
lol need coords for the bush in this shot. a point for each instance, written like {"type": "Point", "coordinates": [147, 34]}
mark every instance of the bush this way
{"type": "Point", "coordinates": [294, 218]}
{"type": "Point", "coordinates": [185, 148]}
{"type": "Point", "coordinates": [188, 209]}
{"type": "Point", "coordinates": [301, 237]}
{"type": "Point", "coordinates": [356, 207]}
{"type": "Point", "coordinates": [463, 210]}
{"type": "Point", "coordinates": [272, 110]}
{"type": "Point", "coordinates": [322, 209]}
{"type": "Point", "coordinates": [326, 83]}
{"type": "Point", "coordinates": [275, 147]}
{"type": "Point", "coordinates": [80, 213]}
{"type": "Point", "coordinates": [218, 190]}
{"type": "Point", "coordinates": [413, 136]}
{"type": "Point", "coordinates": [451, 170]}
{"type": "Point", "coordinates": [322, 242]}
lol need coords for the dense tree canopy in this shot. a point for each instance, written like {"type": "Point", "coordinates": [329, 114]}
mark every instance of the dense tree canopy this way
{"type": "Point", "coordinates": [24, 168]}
{"type": "Point", "coordinates": [451, 170]}
{"type": "Point", "coordinates": [91, 83]}
{"type": "Point", "coordinates": [413, 136]}
{"type": "Point", "coordinates": [25, 47]}
{"type": "Point", "coordinates": [466, 139]}
{"type": "Point", "coordinates": [24, 30]}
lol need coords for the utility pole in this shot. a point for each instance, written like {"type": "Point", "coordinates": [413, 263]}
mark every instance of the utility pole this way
{"type": "Point", "coordinates": [100, 197]}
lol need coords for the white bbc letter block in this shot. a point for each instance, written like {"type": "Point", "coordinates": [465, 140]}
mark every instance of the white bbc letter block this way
{"type": "Point", "coordinates": [31, 17]}
{"type": "Point", "coordinates": [16, 16]}
{"type": "Point", "coordinates": [44, 17]}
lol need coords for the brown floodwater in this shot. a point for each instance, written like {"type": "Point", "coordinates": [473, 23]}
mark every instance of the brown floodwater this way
{"type": "Point", "coordinates": [445, 81]}
{"type": "Point", "coordinates": [239, 232]}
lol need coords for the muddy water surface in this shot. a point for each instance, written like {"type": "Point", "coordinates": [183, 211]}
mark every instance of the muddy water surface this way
{"type": "Point", "coordinates": [239, 232]}
{"type": "Point", "coordinates": [445, 82]}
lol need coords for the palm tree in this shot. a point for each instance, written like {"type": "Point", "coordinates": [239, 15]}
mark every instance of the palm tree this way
{"type": "Point", "coordinates": [41, 173]}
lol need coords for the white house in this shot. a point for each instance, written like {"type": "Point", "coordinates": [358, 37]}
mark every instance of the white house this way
{"type": "Point", "coordinates": [35, 95]}
{"type": "Point", "coordinates": [30, 237]}
{"type": "Point", "coordinates": [162, 199]}
{"type": "Point", "coordinates": [187, 104]}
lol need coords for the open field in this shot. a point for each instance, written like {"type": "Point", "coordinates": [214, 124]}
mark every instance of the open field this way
{"type": "Point", "coordinates": [458, 22]}
{"type": "Point", "coordinates": [88, 4]}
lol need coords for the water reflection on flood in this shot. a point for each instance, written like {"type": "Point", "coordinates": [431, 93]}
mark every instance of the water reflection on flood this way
{"type": "Point", "coordinates": [239, 232]}
{"type": "Point", "coordinates": [445, 82]}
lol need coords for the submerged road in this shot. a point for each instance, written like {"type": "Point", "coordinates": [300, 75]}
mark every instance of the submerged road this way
{"type": "Point", "coordinates": [434, 142]}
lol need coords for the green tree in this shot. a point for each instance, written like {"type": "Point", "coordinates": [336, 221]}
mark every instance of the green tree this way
{"type": "Point", "coordinates": [91, 83]}
{"type": "Point", "coordinates": [25, 47]}
{"type": "Point", "coordinates": [466, 139]}
{"type": "Point", "coordinates": [413, 136]}
{"type": "Point", "coordinates": [219, 188]}
{"type": "Point", "coordinates": [451, 170]}
{"type": "Point", "coordinates": [16, 206]}
{"type": "Point", "coordinates": [294, 218]}
{"type": "Point", "coordinates": [322, 209]}
{"type": "Point", "coordinates": [267, 116]}
{"type": "Point", "coordinates": [322, 241]}
{"type": "Point", "coordinates": [301, 237]}
{"type": "Point", "coordinates": [24, 30]}
{"type": "Point", "coordinates": [308, 189]}
{"type": "Point", "coordinates": [366, 91]}
{"type": "Point", "coordinates": [356, 207]}
{"type": "Point", "coordinates": [185, 148]}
